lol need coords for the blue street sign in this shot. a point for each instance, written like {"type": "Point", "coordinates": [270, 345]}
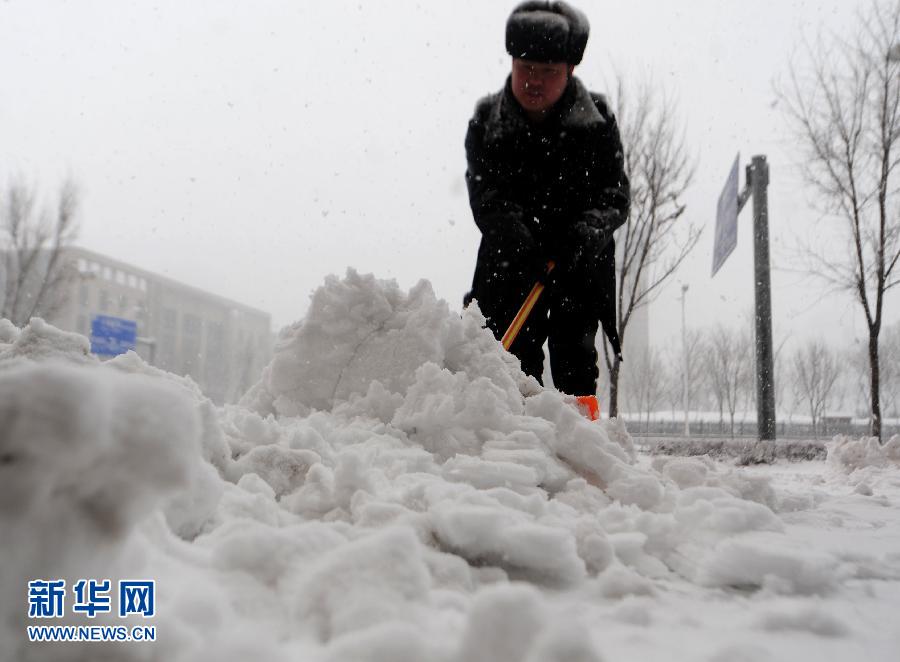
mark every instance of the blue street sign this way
{"type": "Point", "coordinates": [726, 219]}
{"type": "Point", "coordinates": [111, 336]}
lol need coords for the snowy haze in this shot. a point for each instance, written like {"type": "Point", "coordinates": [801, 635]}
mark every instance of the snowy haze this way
{"type": "Point", "coordinates": [251, 149]}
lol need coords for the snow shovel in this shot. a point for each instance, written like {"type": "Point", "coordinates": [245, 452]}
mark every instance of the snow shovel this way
{"type": "Point", "coordinates": [588, 404]}
{"type": "Point", "coordinates": [522, 316]}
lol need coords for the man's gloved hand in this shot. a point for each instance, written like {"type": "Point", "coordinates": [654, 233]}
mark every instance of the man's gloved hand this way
{"type": "Point", "coordinates": [583, 241]}
{"type": "Point", "coordinates": [519, 244]}
{"type": "Point", "coordinates": [588, 237]}
{"type": "Point", "coordinates": [602, 223]}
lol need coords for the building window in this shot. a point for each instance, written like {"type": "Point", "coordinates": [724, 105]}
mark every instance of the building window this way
{"type": "Point", "coordinates": [169, 319]}
{"type": "Point", "coordinates": [190, 357]}
{"type": "Point", "coordinates": [83, 295]}
{"type": "Point", "coordinates": [104, 301]}
{"type": "Point", "coordinates": [215, 341]}
{"type": "Point", "coordinates": [120, 277]}
{"type": "Point", "coordinates": [83, 328]}
{"type": "Point", "coordinates": [107, 273]}
{"type": "Point", "coordinates": [215, 366]}
{"type": "Point", "coordinates": [142, 284]}
{"type": "Point", "coordinates": [132, 281]}
{"type": "Point", "coordinates": [140, 314]}
{"type": "Point", "coordinates": [82, 265]}
{"type": "Point", "coordinates": [167, 352]}
{"type": "Point", "coordinates": [192, 325]}
{"type": "Point", "coordinates": [123, 303]}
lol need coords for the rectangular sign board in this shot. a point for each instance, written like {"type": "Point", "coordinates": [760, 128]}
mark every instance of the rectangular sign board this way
{"type": "Point", "coordinates": [726, 218]}
{"type": "Point", "coordinates": [111, 336]}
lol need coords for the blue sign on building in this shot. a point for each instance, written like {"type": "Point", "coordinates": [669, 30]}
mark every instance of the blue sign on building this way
{"type": "Point", "coordinates": [111, 336]}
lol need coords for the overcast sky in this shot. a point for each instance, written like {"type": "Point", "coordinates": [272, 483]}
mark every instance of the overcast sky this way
{"type": "Point", "coordinates": [252, 148]}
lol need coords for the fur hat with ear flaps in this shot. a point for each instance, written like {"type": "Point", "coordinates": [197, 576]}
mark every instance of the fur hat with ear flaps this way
{"type": "Point", "coordinates": [547, 32]}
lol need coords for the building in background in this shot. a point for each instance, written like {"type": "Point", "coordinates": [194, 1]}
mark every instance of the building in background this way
{"type": "Point", "coordinates": [221, 344]}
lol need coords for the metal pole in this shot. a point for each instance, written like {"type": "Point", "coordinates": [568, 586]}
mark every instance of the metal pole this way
{"type": "Point", "coordinates": [684, 381]}
{"type": "Point", "coordinates": [758, 174]}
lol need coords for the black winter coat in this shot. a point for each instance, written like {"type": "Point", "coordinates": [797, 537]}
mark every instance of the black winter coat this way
{"type": "Point", "coordinates": [546, 182]}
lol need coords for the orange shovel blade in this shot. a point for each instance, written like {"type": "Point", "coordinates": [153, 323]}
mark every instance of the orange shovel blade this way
{"type": "Point", "coordinates": [589, 406]}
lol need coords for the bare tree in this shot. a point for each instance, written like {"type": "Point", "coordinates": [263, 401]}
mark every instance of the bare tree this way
{"type": "Point", "coordinates": [890, 369]}
{"type": "Point", "coordinates": [844, 104]}
{"type": "Point", "coordinates": [630, 385]}
{"type": "Point", "coordinates": [716, 373]}
{"type": "Point", "coordinates": [674, 385]}
{"type": "Point", "coordinates": [653, 242]}
{"type": "Point", "coordinates": [696, 370]}
{"type": "Point", "coordinates": [815, 372]}
{"type": "Point", "coordinates": [858, 378]}
{"type": "Point", "coordinates": [729, 366]}
{"type": "Point", "coordinates": [32, 246]}
{"type": "Point", "coordinates": [697, 376]}
{"type": "Point", "coordinates": [644, 382]}
{"type": "Point", "coordinates": [780, 367]}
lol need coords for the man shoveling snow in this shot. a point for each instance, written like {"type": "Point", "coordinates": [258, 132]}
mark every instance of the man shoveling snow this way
{"type": "Point", "coordinates": [547, 183]}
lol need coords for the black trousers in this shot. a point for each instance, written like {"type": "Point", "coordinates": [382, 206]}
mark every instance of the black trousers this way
{"type": "Point", "coordinates": [566, 317]}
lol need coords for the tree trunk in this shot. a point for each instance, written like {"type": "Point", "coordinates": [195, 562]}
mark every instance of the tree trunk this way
{"type": "Point", "coordinates": [614, 388]}
{"type": "Point", "coordinates": [875, 385]}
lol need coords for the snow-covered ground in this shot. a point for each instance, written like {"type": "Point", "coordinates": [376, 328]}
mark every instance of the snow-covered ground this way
{"type": "Point", "coordinates": [395, 489]}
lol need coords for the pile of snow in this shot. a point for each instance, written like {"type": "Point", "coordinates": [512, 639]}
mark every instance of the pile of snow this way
{"type": "Point", "coordinates": [852, 454]}
{"type": "Point", "coordinates": [394, 488]}
{"type": "Point", "coordinates": [40, 341]}
{"type": "Point", "coordinates": [8, 334]}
